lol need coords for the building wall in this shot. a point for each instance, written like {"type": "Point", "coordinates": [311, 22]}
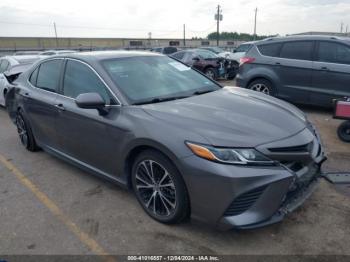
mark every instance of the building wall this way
{"type": "Point", "coordinates": [44, 43]}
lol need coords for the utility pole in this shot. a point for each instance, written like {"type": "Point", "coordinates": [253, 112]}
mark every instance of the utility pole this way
{"type": "Point", "coordinates": [218, 18]}
{"type": "Point", "coordinates": [54, 26]}
{"type": "Point", "coordinates": [346, 30]}
{"type": "Point", "coordinates": [256, 13]}
{"type": "Point", "coordinates": [341, 27]}
{"type": "Point", "coordinates": [184, 35]}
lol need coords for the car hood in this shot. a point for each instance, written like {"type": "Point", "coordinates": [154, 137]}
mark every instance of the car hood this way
{"type": "Point", "coordinates": [232, 117]}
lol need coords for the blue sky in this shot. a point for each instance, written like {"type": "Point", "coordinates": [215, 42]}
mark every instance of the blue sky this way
{"type": "Point", "coordinates": [136, 18]}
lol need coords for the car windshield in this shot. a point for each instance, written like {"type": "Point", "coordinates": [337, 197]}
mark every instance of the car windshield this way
{"type": "Point", "coordinates": [147, 79]}
{"type": "Point", "coordinates": [206, 54]}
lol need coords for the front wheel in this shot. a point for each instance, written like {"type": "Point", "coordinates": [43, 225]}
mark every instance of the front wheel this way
{"type": "Point", "coordinates": [159, 188]}
{"type": "Point", "coordinates": [211, 73]}
{"type": "Point", "coordinates": [344, 131]}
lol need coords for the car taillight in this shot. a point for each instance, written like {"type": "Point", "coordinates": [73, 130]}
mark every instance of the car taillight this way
{"type": "Point", "coordinates": [246, 60]}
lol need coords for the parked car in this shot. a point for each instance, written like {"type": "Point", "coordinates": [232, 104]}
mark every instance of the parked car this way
{"type": "Point", "coordinates": [185, 145]}
{"type": "Point", "coordinates": [207, 62]}
{"type": "Point", "coordinates": [165, 50]}
{"type": "Point", "coordinates": [16, 63]}
{"type": "Point", "coordinates": [56, 52]}
{"type": "Point", "coordinates": [19, 53]}
{"type": "Point", "coordinates": [241, 50]}
{"type": "Point", "coordinates": [305, 69]}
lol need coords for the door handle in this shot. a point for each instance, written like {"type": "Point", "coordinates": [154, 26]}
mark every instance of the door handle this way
{"type": "Point", "coordinates": [324, 68]}
{"type": "Point", "coordinates": [277, 63]}
{"type": "Point", "coordinates": [60, 107]}
{"type": "Point", "coordinates": [26, 94]}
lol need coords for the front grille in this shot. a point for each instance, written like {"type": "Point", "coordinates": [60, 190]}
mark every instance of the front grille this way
{"type": "Point", "coordinates": [243, 202]}
{"type": "Point", "coordinates": [292, 149]}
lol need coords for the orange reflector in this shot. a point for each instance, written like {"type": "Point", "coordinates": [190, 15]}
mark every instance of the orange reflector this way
{"type": "Point", "coordinates": [201, 151]}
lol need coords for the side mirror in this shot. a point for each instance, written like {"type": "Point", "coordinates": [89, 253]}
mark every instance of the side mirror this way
{"type": "Point", "coordinates": [92, 101]}
{"type": "Point", "coordinates": [196, 58]}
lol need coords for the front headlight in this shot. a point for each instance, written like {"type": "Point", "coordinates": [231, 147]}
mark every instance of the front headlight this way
{"type": "Point", "coordinates": [239, 156]}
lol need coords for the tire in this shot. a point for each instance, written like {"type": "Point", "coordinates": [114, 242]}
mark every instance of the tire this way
{"type": "Point", "coordinates": [211, 73]}
{"type": "Point", "coordinates": [161, 190]}
{"type": "Point", "coordinates": [25, 133]}
{"type": "Point", "coordinates": [263, 86]}
{"type": "Point", "coordinates": [344, 131]}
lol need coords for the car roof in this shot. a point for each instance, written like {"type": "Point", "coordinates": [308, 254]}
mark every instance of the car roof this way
{"type": "Point", "coordinates": [303, 37]}
{"type": "Point", "coordinates": [94, 56]}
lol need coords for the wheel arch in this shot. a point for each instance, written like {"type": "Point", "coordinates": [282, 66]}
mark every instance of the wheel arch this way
{"type": "Point", "coordinates": [140, 146]}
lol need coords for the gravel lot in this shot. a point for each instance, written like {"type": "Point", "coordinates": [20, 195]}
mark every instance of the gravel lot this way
{"type": "Point", "coordinates": [50, 207]}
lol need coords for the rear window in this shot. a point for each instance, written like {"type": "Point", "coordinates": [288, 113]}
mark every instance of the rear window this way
{"type": "Point", "coordinates": [270, 49]}
{"type": "Point", "coordinates": [243, 48]}
{"type": "Point", "coordinates": [300, 50]}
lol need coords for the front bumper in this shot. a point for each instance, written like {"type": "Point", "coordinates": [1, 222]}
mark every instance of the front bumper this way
{"type": "Point", "coordinates": [231, 196]}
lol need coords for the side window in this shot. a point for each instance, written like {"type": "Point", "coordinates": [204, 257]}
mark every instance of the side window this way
{"type": "Point", "coordinates": [270, 49]}
{"type": "Point", "coordinates": [4, 65]}
{"type": "Point", "coordinates": [49, 75]}
{"type": "Point", "coordinates": [301, 50]}
{"type": "Point", "coordinates": [80, 79]}
{"type": "Point", "coordinates": [34, 77]}
{"type": "Point", "coordinates": [333, 53]}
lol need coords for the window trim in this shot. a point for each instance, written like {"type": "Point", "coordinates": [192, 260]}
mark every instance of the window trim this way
{"type": "Point", "coordinates": [38, 67]}
{"type": "Point", "coordinates": [265, 44]}
{"type": "Point", "coordinates": [61, 79]}
{"type": "Point", "coordinates": [95, 72]}
{"type": "Point", "coordinates": [329, 41]}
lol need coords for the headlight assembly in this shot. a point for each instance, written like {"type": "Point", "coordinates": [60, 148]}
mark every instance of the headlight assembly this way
{"type": "Point", "coordinates": [237, 156]}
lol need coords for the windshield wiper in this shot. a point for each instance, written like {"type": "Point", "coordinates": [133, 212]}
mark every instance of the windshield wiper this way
{"type": "Point", "coordinates": [159, 100]}
{"type": "Point", "coordinates": [201, 92]}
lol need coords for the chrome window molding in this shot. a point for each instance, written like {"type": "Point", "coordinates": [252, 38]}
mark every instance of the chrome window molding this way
{"type": "Point", "coordinates": [77, 60]}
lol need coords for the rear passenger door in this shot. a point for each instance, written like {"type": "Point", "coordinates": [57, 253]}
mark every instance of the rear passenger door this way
{"type": "Point", "coordinates": [295, 70]}
{"type": "Point", "coordinates": [331, 75]}
{"type": "Point", "coordinates": [40, 101]}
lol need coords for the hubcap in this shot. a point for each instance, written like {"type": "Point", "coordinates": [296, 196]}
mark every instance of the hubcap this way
{"type": "Point", "coordinates": [261, 88]}
{"type": "Point", "coordinates": [155, 188]}
{"type": "Point", "coordinates": [22, 131]}
{"type": "Point", "coordinates": [210, 74]}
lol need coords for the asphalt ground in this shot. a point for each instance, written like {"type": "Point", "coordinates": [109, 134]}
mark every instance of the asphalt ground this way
{"type": "Point", "coordinates": [50, 207]}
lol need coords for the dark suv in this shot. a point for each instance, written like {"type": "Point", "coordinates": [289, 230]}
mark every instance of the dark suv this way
{"type": "Point", "coordinates": [302, 69]}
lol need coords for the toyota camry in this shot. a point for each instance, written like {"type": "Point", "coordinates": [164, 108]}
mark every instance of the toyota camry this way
{"type": "Point", "coordinates": [186, 146]}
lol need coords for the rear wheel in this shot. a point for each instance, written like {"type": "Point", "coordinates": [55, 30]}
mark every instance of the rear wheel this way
{"type": "Point", "coordinates": [159, 188]}
{"type": "Point", "coordinates": [25, 133]}
{"type": "Point", "coordinates": [263, 86]}
{"type": "Point", "coordinates": [344, 131]}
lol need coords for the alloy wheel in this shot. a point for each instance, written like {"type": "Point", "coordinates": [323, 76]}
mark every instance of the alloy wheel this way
{"type": "Point", "coordinates": [210, 74]}
{"type": "Point", "coordinates": [22, 130]}
{"type": "Point", "coordinates": [261, 88]}
{"type": "Point", "coordinates": [156, 188]}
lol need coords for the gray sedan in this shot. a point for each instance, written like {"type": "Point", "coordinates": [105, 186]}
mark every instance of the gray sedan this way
{"type": "Point", "coordinates": [186, 146]}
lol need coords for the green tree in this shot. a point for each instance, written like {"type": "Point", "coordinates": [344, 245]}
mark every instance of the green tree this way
{"type": "Point", "coordinates": [237, 36]}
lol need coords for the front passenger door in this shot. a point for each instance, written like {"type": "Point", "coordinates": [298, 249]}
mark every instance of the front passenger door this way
{"type": "Point", "coordinates": [84, 134]}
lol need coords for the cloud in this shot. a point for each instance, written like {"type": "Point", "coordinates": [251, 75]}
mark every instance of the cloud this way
{"type": "Point", "coordinates": [135, 18]}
